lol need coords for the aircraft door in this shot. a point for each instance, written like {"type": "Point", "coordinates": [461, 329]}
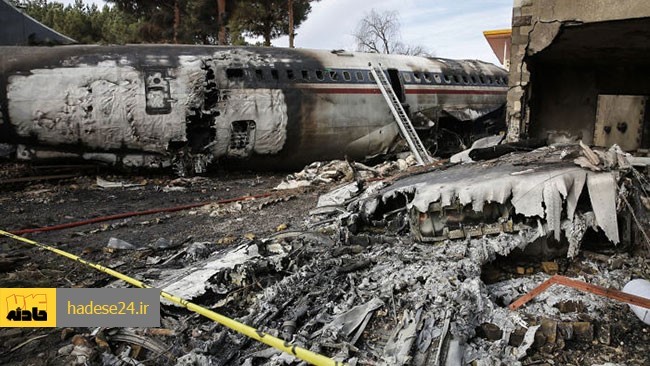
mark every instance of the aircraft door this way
{"type": "Point", "coordinates": [396, 83]}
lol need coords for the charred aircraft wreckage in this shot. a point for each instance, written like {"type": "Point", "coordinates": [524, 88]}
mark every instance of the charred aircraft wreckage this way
{"type": "Point", "coordinates": [188, 106]}
{"type": "Point", "coordinates": [349, 281]}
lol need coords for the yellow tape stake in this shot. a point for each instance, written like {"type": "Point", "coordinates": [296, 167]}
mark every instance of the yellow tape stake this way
{"type": "Point", "coordinates": [277, 343]}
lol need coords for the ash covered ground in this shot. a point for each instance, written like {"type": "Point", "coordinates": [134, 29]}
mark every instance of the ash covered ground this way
{"type": "Point", "coordinates": [339, 279]}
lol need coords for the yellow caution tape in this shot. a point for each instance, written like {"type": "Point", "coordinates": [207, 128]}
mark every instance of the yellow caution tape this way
{"type": "Point", "coordinates": [277, 343]}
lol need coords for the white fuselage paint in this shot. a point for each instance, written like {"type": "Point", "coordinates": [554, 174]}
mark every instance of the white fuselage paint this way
{"type": "Point", "coordinates": [102, 106]}
{"type": "Point", "coordinates": [266, 107]}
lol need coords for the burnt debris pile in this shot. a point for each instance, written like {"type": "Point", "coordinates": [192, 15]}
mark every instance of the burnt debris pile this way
{"type": "Point", "coordinates": [407, 266]}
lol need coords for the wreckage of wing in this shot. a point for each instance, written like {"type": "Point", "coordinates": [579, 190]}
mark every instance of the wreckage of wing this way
{"type": "Point", "coordinates": [187, 106]}
{"type": "Point", "coordinates": [543, 193]}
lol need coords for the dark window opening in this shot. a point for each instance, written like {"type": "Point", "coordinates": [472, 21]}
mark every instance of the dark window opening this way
{"type": "Point", "coordinates": [416, 77]}
{"type": "Point", "coordinates": [447, 79]}
{"type": "Point", "coordinates": [482, 79]}
{"type": "Point", "coordinates": [465, 79]}
{"type": "Point", "coordinates": [359, 75]}
{"type": "Point", "coordinates": [334, 75]}
{"type": "Point", "coordinates": [319, 74]}
{"type": "Point", "coordinates": [290, 75]}
{"type": "Point", "coordinates": [457, 78]}
{"type": "Point", "coordinates": [240, 135]}
{"type": "Point", "coordinates": [275, 75]}
{"type": "Point", "coordinates": [427, 77]}
{"type": "Point", "coordinates": [370, 76]}
{"type": "Point", "coordinates": [305, 75]}
{"type": "Point", "coordinates": [346, 76]}
{"type": "Point", "coordinates": [473, 78]}
{"type": "Point", "coordinates": [396, 84]}
{"type": "Point", "coordinates": [235, 73]}
{"type": "Point", "coordinates": [259, 74]}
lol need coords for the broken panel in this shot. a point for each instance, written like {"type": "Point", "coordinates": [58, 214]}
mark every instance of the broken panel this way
{"type": "Point", "coordinates": [157, 91]}
{"type": "Point", "coordinates": [242, 137]}
{"type": "Point", "coordinates": [457, 221]}
{"type": "Point", "coordinates": [620, 121]}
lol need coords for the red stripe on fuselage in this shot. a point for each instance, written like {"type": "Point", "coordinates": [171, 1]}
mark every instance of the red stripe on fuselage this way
{"type": "Point", "coordinates": [408, 91]}
{"type": "Point", "coordinates": [453, 91]}
{"type": "Point", "coordinates": [345, 90]}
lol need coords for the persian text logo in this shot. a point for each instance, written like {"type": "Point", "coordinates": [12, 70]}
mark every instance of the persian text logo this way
{"type": "Point", "coordinates": [23, 307]}
{"type": "Point", "coordinates": [28, 308]}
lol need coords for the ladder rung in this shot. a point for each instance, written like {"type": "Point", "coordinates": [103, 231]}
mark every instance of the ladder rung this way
{"type": "Point", "coordinates": [404, 123]}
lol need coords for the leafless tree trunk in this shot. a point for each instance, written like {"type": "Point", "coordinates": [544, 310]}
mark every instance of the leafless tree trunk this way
{"type": "Point", "coordinates": [380, 33]}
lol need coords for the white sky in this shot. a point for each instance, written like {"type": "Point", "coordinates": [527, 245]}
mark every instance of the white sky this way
{"type": "Point", "coordinates": [449, 28]}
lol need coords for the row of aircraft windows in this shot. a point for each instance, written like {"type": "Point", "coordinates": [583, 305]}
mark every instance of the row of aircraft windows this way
{"type": "Point", "coordinates": [428, 77]}
{"type": "Point", "coordinates": [360, 76]}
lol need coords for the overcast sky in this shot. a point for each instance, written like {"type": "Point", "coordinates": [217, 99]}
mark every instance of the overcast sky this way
{"type": "Point", "coordinates": [449, 28]}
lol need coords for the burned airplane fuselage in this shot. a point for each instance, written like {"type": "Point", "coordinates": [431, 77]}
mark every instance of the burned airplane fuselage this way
{"type": "Point", "coordinates": [150, 105]}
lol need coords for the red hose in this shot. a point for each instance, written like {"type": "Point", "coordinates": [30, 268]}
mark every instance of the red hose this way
{"type": "Point", "coordinates": [135, 213]}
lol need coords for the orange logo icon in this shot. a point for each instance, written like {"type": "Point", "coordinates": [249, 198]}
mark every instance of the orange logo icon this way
{"type": "Point", "coordinates": [27, 308]}
{"type": "Point", "coordinates": [23, 307]}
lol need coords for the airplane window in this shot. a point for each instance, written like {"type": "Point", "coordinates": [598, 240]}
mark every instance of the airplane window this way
{"type": "Point", "coordinates": [359, 75]}
{"type": "Point", "coordinates": [319, 74]}
{"type": "Point", "coordinates": [259, 74]}
{"type": "Point", "coordinates": [235, 73]}
{"type": "Point", "coordinates": [427, 77]}
{"type": "Point", "coordinates": [407, 77]}
{"type": "Point", "coordinates": [482, 79]}
{"type": "Point", "coordinates": [489, 79]}
{"type": "Point", "coordinates": [370, 77]}
{"type": "Point", "coordinates": [275, 75]}
{"type": "Point", "coordinates": [447, 79]}
{"type": "Point", "coordinates": [465, 80]}
{"type": "Point", "coordinates": [416, 77]}
{"type": "Point", "coordinates": [305, 75]}
{"type": "Point", "coordinates": [334, 75]}
{"type": "Point", "coordinates": [473, 78]}
{"type": "Point", "coordinates": [290, 74]}
{"type": "Point", "coordinates": [457, 78]}
{"type": "Point", "coordinates": [346, 76]}
{"type": "Point", "coordinates": [437, 78]}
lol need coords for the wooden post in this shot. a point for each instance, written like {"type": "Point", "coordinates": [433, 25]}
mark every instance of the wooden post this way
{"type": "Point", "coordinates": [291, 24]}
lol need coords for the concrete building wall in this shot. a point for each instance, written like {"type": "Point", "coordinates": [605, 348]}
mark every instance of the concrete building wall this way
{"type": "Point", "coordinates": [565, 54]}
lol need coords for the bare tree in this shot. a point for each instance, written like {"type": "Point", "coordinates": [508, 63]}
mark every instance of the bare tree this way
{"type": "Point", "coordinates": [380, 33]}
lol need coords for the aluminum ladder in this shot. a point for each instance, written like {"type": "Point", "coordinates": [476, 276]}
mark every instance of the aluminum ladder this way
{"type": "Point", "coordinates": [405, 126]}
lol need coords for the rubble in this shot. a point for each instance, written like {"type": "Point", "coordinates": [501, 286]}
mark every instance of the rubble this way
{"type": "Point", "coordinates": [339, 171]}
{"type": "Point", "coordinates": [349, 273]}
{"type": "Point", "coordinates": [102, 183]}
{"type": "Point", "coordinates": [115, 243]}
